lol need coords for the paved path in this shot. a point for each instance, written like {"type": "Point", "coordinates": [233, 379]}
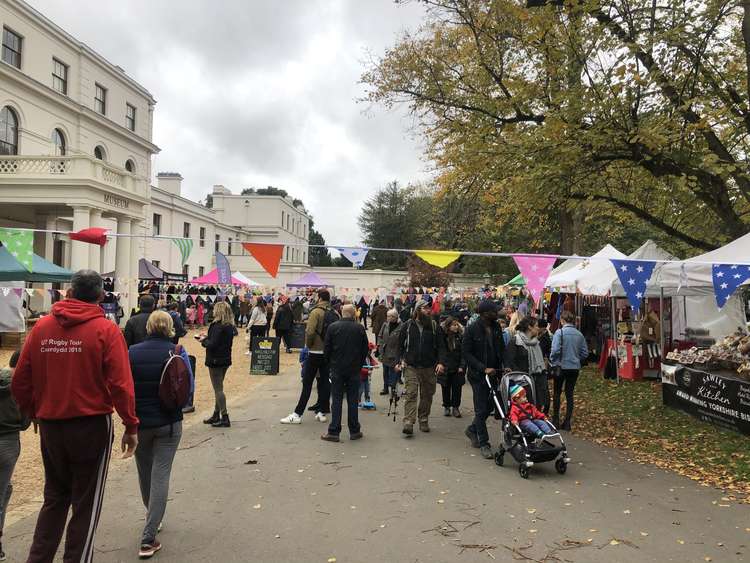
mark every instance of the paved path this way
{"type": "Point", "coordinates": [387, 498]}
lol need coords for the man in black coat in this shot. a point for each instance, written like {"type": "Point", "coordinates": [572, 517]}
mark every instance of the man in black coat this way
{"type": "Point", "coordinates": [283, 321]}
{"type": "Point", "coordinates": [483, 348]}
{"type": "Point", "coordinates": [346, 348]}
{"type": "Point", "coordinates": [135, 328]}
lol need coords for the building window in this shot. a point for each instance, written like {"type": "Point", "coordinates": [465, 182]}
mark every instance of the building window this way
{"type": "Point", "coordinates": [130, 166]}
{"type": "Point", "coordinates": [12, 43]}
{"type": "Point", "coordinates": [186, 230]}
{"type": "Point", "coordinates": [229, 246]}
{"type": "Point", "coordinates": [201, 270]}
{"type": "Point", "coordinates": [58, 142]}
{"type": "Point", "coordinates": [156, 263]}
{"type": "Point", "coordinates": [202, 237]}
{"type": "Point", "coordinates": [157, 224]}
{"type": "Point", "coordinates": [130, 117]}
{"type": "Point", "coordinates": [8, 131]}
{"type": "Point", "coordinates": [216, 243]}
{"type": "Point", "coordinates": [286, 253]}
{"type": "Point", "coordinates": [99, 153]}
{"type": "Point", "coordinates": [186, 271]}
{"type": "Point", "coordinates": [60, 76]}
{"type": "Point", "coordinates": [100, 99]}
{"type": "Point", "coordinates": [282, 219]}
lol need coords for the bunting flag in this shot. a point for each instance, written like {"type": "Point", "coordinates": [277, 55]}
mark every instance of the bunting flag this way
{"type": "Point", "coordinates": [438, 258]}
{"type": "Point", "coordinates": [94, 235]}
{"type": "Point", "coordinates": [535, 270]}
{"type": "Point", "coordinates": [267, 255]}
{"type": "Point", "coordinates": [20, 244]}
{"type": "Point", "coordinates": [727, 278]}
{"type": "Point", "coordinates": [224, 273]}
{"type": "Point", "coordinates": [355, 255]}
{"type": "Point", "coordinates": [634, 275]}
{"type": "Point", "coordinates": [186, 247]}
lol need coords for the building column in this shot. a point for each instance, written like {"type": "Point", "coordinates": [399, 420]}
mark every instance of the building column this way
{"type": "Point", "coordinates": [95, 251]}
{"type": "Point", "coordinates": [49, 238]}
{"type": "Point", "coordinates": [136, 251]}
{"type": "Point", "coordinates": [79, 252]}
{"type": "Point", "coordinates": [123, 270]}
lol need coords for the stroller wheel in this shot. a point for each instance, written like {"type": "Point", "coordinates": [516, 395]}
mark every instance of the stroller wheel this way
{"type": "Point", "coordinates": [561, 466]}
{"type": "Point", "coordinates": [500, 457]}
{"type": "Point", "coordinates": [523, 471]}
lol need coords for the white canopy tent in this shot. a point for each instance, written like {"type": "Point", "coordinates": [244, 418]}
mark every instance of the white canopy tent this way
{"type": "Point", "coordinates": [587, 277]}
{"type": "Point", "coordinates": [244, 279]}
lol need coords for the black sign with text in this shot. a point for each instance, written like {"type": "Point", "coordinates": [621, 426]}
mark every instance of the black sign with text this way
{"type": "Point", "coordinates": [265, 356]}
{"type": "Point", "coordinates": [719, 399]}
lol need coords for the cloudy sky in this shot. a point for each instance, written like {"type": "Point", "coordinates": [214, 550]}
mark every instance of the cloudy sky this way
{"type": "Point", "coordinates": [262, 92]}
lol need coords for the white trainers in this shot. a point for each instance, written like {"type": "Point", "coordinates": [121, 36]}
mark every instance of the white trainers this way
{"type": "Point", "coordinates": [293, 418]}
{"type": "Point", "coordinates": [247, 353]}
{"type": "Point", "coordinates": [320, 417]}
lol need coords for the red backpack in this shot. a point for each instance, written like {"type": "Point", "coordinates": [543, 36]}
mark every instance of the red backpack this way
{"type": "Point", "coordinates": [174, 386]}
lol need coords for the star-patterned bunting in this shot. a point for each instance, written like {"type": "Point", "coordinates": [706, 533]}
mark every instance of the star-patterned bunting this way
{"type": "Point", "coordinates": [535, 270]}
{"type": "Point", "coordinates": [727, 278]}
{"type": "Point", "coordinates": [634, 275]}
{"type": "Point", "coordinates": [20, 245]}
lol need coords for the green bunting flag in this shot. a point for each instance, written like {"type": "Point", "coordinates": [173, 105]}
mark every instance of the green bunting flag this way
{"type": "Point", "coordinates": [186, 247]}
{"type": "Point", "coordinates": [20, 245]}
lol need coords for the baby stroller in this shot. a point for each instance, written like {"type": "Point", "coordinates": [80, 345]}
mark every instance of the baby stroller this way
{"type": "Point", "coordinates": [525, 449]}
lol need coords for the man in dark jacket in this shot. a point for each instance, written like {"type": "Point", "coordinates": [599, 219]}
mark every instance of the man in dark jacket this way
{"type": "Point", "coordinates": [179, 328]}
{"type": "Point", "coordinates": [282, 322]}
{"type": "Point", "coordinates": [420, 346]}
{"type": "Point", "coordinates": [484, 349]}
{"type": "Point", "coordinates": [378, 316]}
{"type": "Point", "coordinates": [135, 328]}
{"type": "Point", "coordinates": [346, 348]}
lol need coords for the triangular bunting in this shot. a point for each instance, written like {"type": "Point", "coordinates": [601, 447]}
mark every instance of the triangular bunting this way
{"type": "Point", "coordinates": [20, 244]}
{"type": "Point", "coordinates": [438, 258]}
{"type": "Point", "coordinates": [727, 278]}
{"type": "Point", "coordinates": [634, 275]}
{"type": "Point", "coordinates": [267, 255]}
{"type": "Point", "coordinates": [94, 235]}
{"type": "Point", "coordinates": [30, 292]}
{"type": "Point", "coordinates": [535, 270]}
{"type": "Point", "coordinates": [355, 255]}
{"type": "Point", "coordinates": [186, 247]}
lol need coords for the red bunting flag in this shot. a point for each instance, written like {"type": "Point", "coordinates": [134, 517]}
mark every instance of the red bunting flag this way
{"type": "Point", "coordinates": [267, 255]}
{"type": "Point", "coordinates": [94, 235]}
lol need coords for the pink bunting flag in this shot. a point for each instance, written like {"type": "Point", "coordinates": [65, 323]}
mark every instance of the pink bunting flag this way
{"type": "Point", "coordinates": [535, 269]}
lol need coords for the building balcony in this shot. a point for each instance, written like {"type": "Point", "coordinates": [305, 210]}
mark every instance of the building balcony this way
{"type": "Point", "coordinates": [75, 170]}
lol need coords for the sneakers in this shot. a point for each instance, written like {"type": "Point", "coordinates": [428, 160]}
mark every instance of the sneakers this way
{"type": "Point", "coordinates": [148, 550]}
{"type": "Point", "coordinates": [408, 428]}
{"type": "Point", "coordinates": [456, 412]}
{"type": "Point", "coordinates": [473, 437]}
{"type": "Point", "coordinates": [356, 436]}
{"type": "Point", "coordinates": [423, 426]}
{"type": "Point", "coordinates": [384, 392]}
{"type": "Point", "coordinates": [330, 438]}
{"type": "Point", "coordinates": [446, 411]}
{"type": "Point", "coordinates": [486, 452]}
{"type": "Point", "coordinates": [320, 417]}
{"type": "Point", "coordinates": [188, 409]}
{"type": "Point", "coordinates": [293, 418]}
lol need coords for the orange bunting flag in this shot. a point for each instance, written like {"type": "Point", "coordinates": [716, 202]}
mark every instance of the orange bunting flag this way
{"type": "Point", "coordinates": [267, 255]}
{"type": "Point", "coordinates": [438, 258]}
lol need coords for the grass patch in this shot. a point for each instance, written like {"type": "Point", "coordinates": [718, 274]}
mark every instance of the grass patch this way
{"type": "Point", "coordinates": [631, 416]}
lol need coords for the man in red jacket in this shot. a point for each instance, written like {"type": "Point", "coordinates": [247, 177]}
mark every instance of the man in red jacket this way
{"type": "Point", "coordinates": [73, 369]}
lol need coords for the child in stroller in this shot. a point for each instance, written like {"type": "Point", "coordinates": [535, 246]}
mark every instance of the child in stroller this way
{"type": "Point", "coordinates": [524, 414]}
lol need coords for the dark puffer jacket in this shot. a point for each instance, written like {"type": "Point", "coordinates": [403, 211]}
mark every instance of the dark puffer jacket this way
{"type": "Point", "coordinates": [218, 345]}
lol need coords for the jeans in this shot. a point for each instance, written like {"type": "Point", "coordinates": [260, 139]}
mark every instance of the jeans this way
{"type": "Point", "coordinates": [452, 389]}
{"type": "Point", "coordinates": [364, 389]}
{"type": "Point", "coordinates": [10, 449]}
{"type": "Point", "coordinates": [217, 382]}
{"type": "Point", "coordinates": [315, 363]}
{"type": "Point", "coordinates": [482, 407]}
{"type": "Point", "coordinates": [346, 384]}
{"type": "Point", "coordinates": [420, 384]}
{"type": "Point", "coordinates": [567, 379]}
{"type": "Point", "coordinates": [541, 389]}
{"type": "Point", "coordinates": [153, 458]}
{"type": "Point", "coordinates": [536, 427]}
{"type": "Point", "coordinates": [390, 377]}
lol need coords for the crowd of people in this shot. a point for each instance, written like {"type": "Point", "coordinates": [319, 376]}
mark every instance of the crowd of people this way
{"type": "Point", "coordinates": [148, 378]}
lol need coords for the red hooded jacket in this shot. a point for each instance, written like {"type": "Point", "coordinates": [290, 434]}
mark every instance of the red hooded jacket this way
{"type": "Point", "coordinates": [523, 411]}
{"type": "Point", "coordinates": [75, 363]}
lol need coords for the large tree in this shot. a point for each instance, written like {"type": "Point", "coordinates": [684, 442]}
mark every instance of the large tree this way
{"type": "Point", "coordinates": [318, 256]}
{"type": "Point", "coordinates": [630, 109]}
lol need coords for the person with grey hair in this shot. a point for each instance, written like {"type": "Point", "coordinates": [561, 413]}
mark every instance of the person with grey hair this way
{"type": "Point", "coordinates": [345, 348]}
{"type": "Point", "coordinates": [387, 352]}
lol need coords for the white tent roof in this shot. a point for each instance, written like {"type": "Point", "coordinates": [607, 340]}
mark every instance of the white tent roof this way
{"type": "Point", "coordinates": [589, 277]}
{"type": "Point", "coordinates": [244, 279]}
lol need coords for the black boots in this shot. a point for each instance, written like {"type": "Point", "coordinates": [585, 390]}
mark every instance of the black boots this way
{"type": "Point", "coordinates": [214, 418]}
{"type": "Point", "coordinates": [223, 422]}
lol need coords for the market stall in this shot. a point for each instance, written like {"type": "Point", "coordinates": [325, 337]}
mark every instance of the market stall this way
{"type": "Point", "coordinates": [310, 279]}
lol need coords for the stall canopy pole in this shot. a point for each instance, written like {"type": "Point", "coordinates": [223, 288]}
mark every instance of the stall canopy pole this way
{"type": "Point", "coordinates": [614, 341]}
{"type": "Point", "coordinates": [661, 324]}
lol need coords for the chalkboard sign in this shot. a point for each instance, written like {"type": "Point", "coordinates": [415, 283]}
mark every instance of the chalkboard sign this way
{"type": "Point", "coordinates": [265, 356]}
{"type": "Point", "coordinates": [297, 336]}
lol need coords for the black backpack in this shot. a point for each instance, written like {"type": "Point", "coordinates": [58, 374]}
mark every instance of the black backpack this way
{"type": "Point", "coordinates": [329, 317]}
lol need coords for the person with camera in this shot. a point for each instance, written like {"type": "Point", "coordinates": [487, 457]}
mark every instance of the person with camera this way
{"type": "Point", "coordinates": [569, 353]}
{"type": "Point", "coordinates": [483, 348]}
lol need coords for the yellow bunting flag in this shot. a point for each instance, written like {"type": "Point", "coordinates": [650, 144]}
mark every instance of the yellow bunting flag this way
{"type": "Point", "coordinates": [438, 258]}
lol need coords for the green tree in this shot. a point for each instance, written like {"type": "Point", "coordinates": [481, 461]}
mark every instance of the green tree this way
{"type": "Point", "coordinates": [317, 256]}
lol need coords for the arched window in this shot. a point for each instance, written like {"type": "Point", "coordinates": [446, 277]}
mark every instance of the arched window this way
{"type": "Point", "coordinates": [130, 166]}
{"type": "Point", "coordinates": [99, 153]}
{"type": "Point", "coordinates": [8, 131]}
{"type": "Point", "coordinates": [58, 141]}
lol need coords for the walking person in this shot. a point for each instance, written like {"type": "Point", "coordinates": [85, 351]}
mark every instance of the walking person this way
{"type": "Point", "coordinates": [388, 351]}
{"type": "Point", "coordinates": [75, 353]}
{"type": "Point", "coordinates": [378, 317]}
{"type": "Point", "coordinates": [218, 345]}
{"type": "Point", "coordinates": [269, 317]}
{"type": "Point", "coordinates": [483, 348]}
{"type": "Point", "coordinates": [12, 422]}
{"type": "Point", "coordinates": [282, 323]}
{"type": "Point", "coordinates": [322, 316]}
{"type": "Point", "coordinates": [524, 353]}
{"type": "Point", "coordinates": [160, 430]}
{"type": "Point", "coordinates": [257, 323]}
{"type": "Point", "coordinates": [244, 310]}
{"type": "Point", "coordinates": [179, 328]}
{"type": "Point", "coordinates": [453, 378]}
{"type": "Point", "coordinates": [545, 343]}
{"type": "Point", "coordinates": [346, 348]}
{"type": "Point", "coordinates": [363, 309]}
{"type": "Point", "coordinates": [135, 328]}
{"type": "Point", "coordinates": [420, 343]}
{"type": "Point", "coordinates": [569, 350]}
